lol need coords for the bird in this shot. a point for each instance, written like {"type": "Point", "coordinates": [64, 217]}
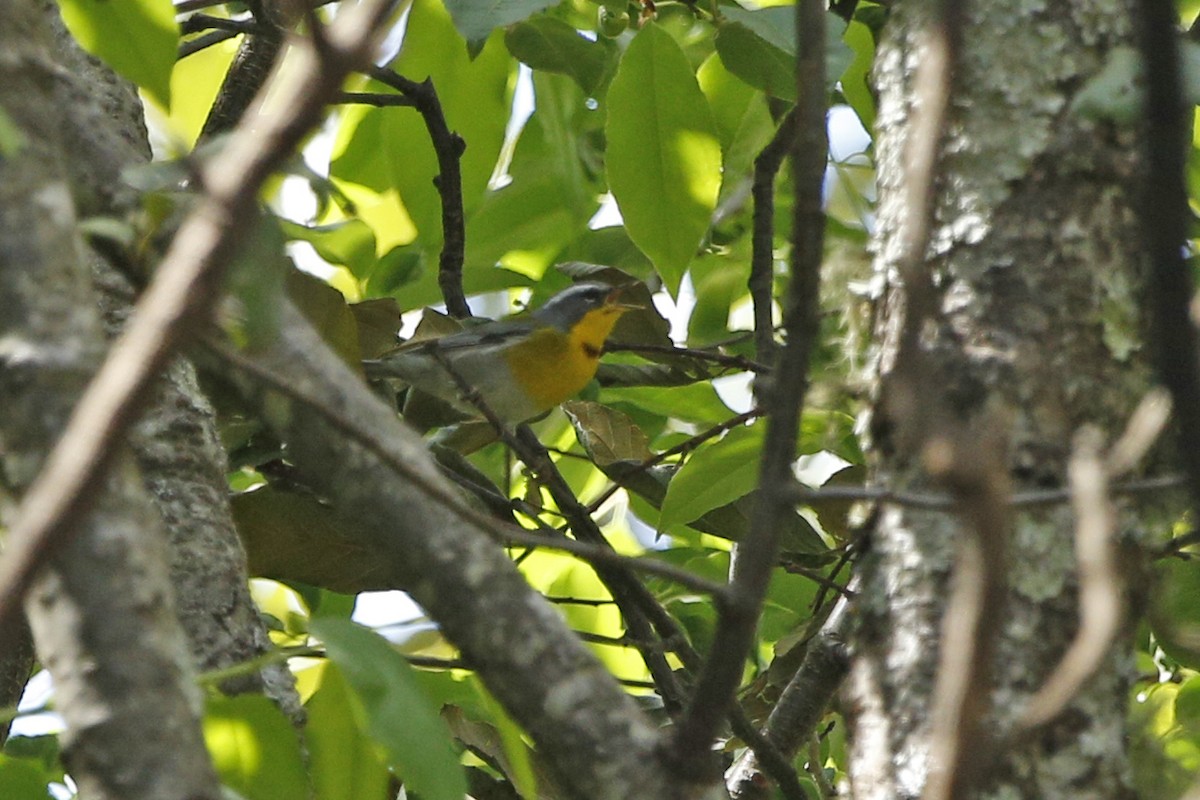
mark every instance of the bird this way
{"type": "Point", "coordinates": [521, 367]}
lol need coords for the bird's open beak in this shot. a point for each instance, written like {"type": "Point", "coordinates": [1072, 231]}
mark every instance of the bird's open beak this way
{"type": "Point", "coordinates": [614, 299]}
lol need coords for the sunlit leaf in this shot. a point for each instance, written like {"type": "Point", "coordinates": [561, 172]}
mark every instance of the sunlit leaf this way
{"type": "Point", "coordinates": [254, 748]}
{"type": "Point", "coordinates": [760, 48]}
{"type": "Point", "coordinates": [727, 96]}
{"type": "Point", "coordinates": [344, 763]}
{"type": "Point", "coordinates": [664, 159]}
{"type": "Point", "coordinates": [350, 244]}
{"type": "Point", "coordinates": [608, 435]}
{"type": "Point", "coordinates": [389, 149]}
{"type": "Point", "coordinates": [399, 716]}
{"type": "Point", "coordinates": [695, 403]}
{"type": "Point", "coordinates": [716, 474]}
{"type": "Point", "coordinates": [854, 80]}
{"type": "Point", "coordinates": [137, 38]}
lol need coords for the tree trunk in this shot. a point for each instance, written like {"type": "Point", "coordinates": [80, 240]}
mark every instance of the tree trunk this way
{"type": "Point", "coordinates": [106, 616]}
{"type": "Point", "coordinates": [1037, 275]}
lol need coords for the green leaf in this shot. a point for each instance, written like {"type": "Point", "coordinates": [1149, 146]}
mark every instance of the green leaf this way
{"type": "Point", "coordinates": [760, 48]}
{"type": "Point", "coordinates": [697, 402]}
{"type": "Point", "coordinates": [549, 44]}
{"type": "Point", "coordinates": [399, 715]}
{"type": "Point", "coordinates": [716, 474]}
{"type": "Point", "coordinates": [254, 748]}
{"type": "Point", "coordinates": [854, 82]}
{"type": "Point", "coordinates": [663, 159]}
{"type": "Point", "coordinates": [137, 38]}
{"type": "Point", "coordinates": [350, 243]}
{"type": "Point", "coordinates": [22, 779]}
{"type": "Point", "coordinates": [344, 763]}
{"type": "Point", "coordinates": [727, 96]}
{"type": "Point", "coordinates": [757, 61]}
{"type": "Point", "coordinates": [390, 149]}
{"type": "Point", "coordinates": [476, 19]}
{"type": "Point", "coordinates": [257, 278]}
{"type": "Point", "coordinates": [1174, 612]}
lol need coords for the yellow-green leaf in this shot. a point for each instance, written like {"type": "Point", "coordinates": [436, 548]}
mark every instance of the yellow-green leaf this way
{"type": "Point", "coordinates": [254, 748]}
{"type": "Point", "coordinates": [137, 38]}
{"type": "Point", "coordinates": [345, 764]}
{"type": "Point", "coordinates": [717, 474]}
{"type": "Point", "coordinates": [663, 157]}
{"type": "Point", "coordinates": [398, 714]}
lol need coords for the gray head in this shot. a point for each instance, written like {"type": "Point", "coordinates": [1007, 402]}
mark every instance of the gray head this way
{"type": "Point", "coordinates": [569, 306]}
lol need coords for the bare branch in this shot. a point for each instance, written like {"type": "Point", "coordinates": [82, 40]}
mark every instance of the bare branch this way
{"type": "Point", "coordinates": [178, 299]}
{"type": "Point", "coordinates": [449, 147]}
{"type": "Point", "coordinates": [1164, 219]}
{"type": "Point", "coordinates": [942, 501]}
{"type": "Point", "coordinates": [720, 359]}
{"type": "Point", "coordinates": [961, 749]}
{"type": "Point", "coordinates": [1101, 593]}
{"type": "Point", "coordinates": [1101, 589]}
{"type": "Point", "coordinates": [762, 257]}
{"type": "Point", "coordinates": [757, 554]}
{"type": "Point", "coordinates": [801, 704]}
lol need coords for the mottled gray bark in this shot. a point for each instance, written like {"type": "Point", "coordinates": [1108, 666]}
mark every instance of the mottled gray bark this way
{"type": "Point", "coordinates": [1035, 261]}
{"type": "Point", "coordinates": [176, 444]}
{"type": "Point", "coordinates": [101, 609]}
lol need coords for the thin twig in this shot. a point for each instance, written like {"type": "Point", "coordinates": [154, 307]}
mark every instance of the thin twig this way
{"type": "Point", "coordinates": [185, 6]}
{"type": "Point", "coordinates": [1101, 589]}
{"type": "Point", "coordinates": [816, 770]}
{"type": "Point", "coordinates": [942, 501]}
{"type": "Point", "coordinates": [179, 298]}
{"type": "Point", "coordinates": [690, 752]}
{"type": "Point", "coordinates": [762, 253]}
{"type": "Point", "coordinates": [633, 599]}
{"type": "Point", "coordinates": [448, 146]}
{"type": "Point", "coordinates": [802, 703]}
{"type": "Point", "coordinates": [256, 57]}
{"type": "Point", "coordinates": [377, 99]}
{"type": "Point", "coordinates": [202, 22]}
{"type": "Point", "coordinates": [722, 359]}
{"type": "Point", "coordinates": [974, 465]}
{"type": "Point", "coordinates": [1100, 586]}
{"type": "Point", "coordinates": [683, 447]}
{"type": "Point", "coordinates": [193, 46]}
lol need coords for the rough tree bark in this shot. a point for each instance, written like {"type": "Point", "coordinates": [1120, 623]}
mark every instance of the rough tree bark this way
{"type": "Point", "coordinates": [100, 610]}
{"type": "Point", "coordinates": [1037, 272]}
{"type": "Point", "coordinates": [95, 130]}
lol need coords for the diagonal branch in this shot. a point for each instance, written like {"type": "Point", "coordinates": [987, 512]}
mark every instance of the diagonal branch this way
{"type": "Point", "coordinates": [180, 297]}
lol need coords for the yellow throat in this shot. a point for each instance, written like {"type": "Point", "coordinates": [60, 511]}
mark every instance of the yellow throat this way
{"type": "Point", "coordinates": [552, 366]}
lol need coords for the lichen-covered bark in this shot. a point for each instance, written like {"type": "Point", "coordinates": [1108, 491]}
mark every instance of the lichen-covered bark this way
{"type": "Point", "coordinates": [100, 609]}
{"type": "Point", "coordinates": [1035, 260]}
{"type": "Point", "coordinates": [176, 444]}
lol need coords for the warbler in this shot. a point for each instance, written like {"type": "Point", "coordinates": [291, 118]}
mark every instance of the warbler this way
{"type": "Point", "coordinates": [521, 367]}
